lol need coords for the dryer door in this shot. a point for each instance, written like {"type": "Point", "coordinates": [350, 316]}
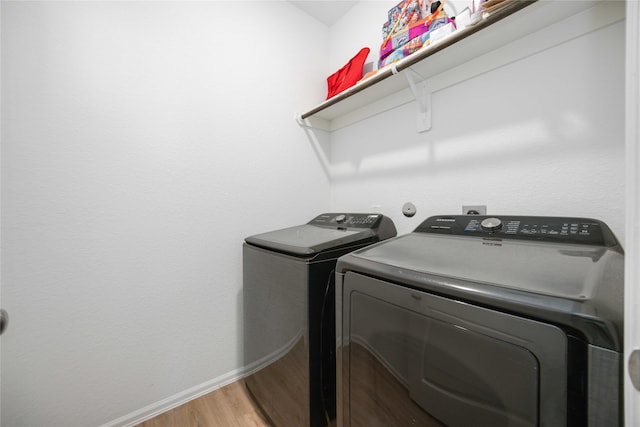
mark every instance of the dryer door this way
{"type": "Point", "coordinates": [413, 358]}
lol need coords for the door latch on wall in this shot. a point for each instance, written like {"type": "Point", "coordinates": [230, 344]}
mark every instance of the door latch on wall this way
{"type": "Point", "coordinates": [4, 320]}
{"type": "Point", "coordinates": [634, 368]}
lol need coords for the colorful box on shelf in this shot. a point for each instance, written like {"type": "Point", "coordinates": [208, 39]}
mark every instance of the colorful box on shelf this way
{"type": "Point", "coordinates": [403, 37]}
{"type": "Point", "coordinates": [404, 14]}
{"type": "Point", "coordinates": [388, 56]}
{"type": "Point", "coordinates": [413, 37]}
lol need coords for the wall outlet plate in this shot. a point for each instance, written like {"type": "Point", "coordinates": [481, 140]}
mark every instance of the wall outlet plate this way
{"type": "Point", "coordinates": [474, 209]}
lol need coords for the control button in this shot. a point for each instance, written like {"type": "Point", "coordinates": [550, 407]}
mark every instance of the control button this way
{"type": "Point", "coordinates": [472, 225]}
{"type": "Point", "coordinates": [491, 224]}
{"type": "Point", "coordinates": [340, 219]}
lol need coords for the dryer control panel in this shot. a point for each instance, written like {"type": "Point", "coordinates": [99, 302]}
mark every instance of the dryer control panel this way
{"type": "Point", "coordinates": [549, 229]}
{"type": "Point", "coordinates": [350, 220]}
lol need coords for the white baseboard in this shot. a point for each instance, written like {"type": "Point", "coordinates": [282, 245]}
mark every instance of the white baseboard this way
{"type": "Point", "coordinates": [157, 408]}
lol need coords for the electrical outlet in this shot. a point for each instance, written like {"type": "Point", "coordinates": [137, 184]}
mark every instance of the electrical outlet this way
{"type": "Point", "coordinates": [474, 209]}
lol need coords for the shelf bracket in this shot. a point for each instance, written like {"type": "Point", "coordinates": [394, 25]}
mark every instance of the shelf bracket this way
{"type": "Point", "coordinates": [421, 89]}
{"type": "Point", "coordinates": [309, 124]}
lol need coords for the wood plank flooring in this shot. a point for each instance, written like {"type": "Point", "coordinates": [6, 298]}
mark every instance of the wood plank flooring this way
{"type": "Point", "coordinates": [379, 399]}
{"type": "Point", "coordinates": [229, 406]}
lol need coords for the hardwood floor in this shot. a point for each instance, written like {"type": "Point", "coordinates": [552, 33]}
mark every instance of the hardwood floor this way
{"type": "Point", "coordinates": [232, 406]}
{"type": "Point", "coordinates": [229, 406]}
{"type": "Point", "coordinates": [379, 399]}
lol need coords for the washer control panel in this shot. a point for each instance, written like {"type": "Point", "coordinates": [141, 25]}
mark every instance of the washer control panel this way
{"type": "Point", "coordinates": [349, 220]}
{"type": "Point", "coordinates": [551, 229]}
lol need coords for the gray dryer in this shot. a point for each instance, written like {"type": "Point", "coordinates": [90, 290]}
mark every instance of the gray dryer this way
{"type": "Point", "coordinates": [483, 321]}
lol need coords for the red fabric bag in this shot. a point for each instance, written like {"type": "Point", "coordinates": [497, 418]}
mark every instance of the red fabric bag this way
{"type": "Point", "coordinates": [348, 75]}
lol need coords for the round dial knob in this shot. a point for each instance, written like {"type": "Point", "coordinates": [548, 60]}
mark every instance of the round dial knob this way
{"type": "Point", "coordinates": [491, 224]}
{"type": "Point", "coordinates": [341, 218]}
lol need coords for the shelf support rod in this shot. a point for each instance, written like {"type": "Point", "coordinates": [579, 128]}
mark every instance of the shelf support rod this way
{"type": "Point", "coordinates": [302, 123]}
{"type": "Point", "coordinates": [315, 124]}
{"type": "Point", "coordinates": [422, 92]}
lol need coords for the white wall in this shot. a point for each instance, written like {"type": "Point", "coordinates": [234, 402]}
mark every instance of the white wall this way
{"type": "Point", "coordinates": [141, 142]}
{"type": "Point", "coordinates": [541, 136]}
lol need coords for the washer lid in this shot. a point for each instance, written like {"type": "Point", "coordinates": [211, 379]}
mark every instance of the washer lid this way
{"type": "Point", "coordinates": [326, 232]}
{"type": "Point", "coordinates": [307, 239]}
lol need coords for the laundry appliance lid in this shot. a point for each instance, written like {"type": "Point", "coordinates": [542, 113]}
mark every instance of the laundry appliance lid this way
{"type": "Point", "coordinates": [576, 285]}
{"type": "Point", "coordinates": [563, 271]}
{"type": "Point", "coordinates": [326, 232]}
{"type": "Point", "coordinates": [305, 239]}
